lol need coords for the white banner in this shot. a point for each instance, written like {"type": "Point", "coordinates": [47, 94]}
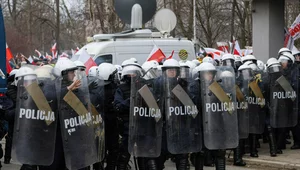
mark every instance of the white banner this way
{"type": "Point", "coordinates": [295, 28]}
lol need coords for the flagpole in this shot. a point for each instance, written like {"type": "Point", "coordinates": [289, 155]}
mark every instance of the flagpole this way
{"type": "Point", "coordinates": [194, 16]}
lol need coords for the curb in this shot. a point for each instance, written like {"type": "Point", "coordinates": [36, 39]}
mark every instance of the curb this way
{"type": "Point", "coordinates": [268, 164]}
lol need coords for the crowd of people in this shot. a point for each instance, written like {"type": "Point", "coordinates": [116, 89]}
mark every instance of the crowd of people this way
{"type": "Point", "coordinates": [59, 115]}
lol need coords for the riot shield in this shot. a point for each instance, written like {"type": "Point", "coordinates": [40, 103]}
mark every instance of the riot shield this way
{"type": "Point", "coordinates": [242, 92]}
{"type": "Point", "coordinates": [183, 120]}
{"type": "Point", "coordinates": [283, 99]}
{"type": "Point", "coordinates": [256, 103]}
{"type": "Point", "coordinates": [145, 120]}
{"type": "Point", "coordinates": [96, 88]}
{"type": "Point", "coordinates": [220, 123]}
{"type": "Point", "coordinates": [76, 121]}
{"type": "Point", "coordinates": [35, 121]}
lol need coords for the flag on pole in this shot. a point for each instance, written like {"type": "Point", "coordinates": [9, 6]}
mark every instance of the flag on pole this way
{"type": "Point", "coordinates": [30, 59]}
{"type": "Point", "coordinates": [295, 28]}
{"type": "Point", "coordinates": [54, 51]}
{"type": "Point", "coordinates": [223, 46]}
{"type": "Point", "coordinates": [9, 56]}
{"type": "Point", "coordinates": [237, 49]}
{"type": "Point", "coordinates": [87, 60]}
{"type": "Point", "coordinates": [156, 54]}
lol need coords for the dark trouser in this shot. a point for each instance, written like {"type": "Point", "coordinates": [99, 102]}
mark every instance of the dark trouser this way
{"type": "Point", "coordinates": [280, 138]}
{"type": "Point", "coordinates": [124, 156]}
{"type": "Point", "coordinates": [8, 142]}
{"type": "Point", "coordinates": [111, 142]}
{"type": "Point", "coordinates": [296, 133]}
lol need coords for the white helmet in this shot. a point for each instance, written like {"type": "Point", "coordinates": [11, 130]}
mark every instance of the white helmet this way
{"type": "Point", "coordinates": [260, 65]}
{"type": "Point", "coordinates": [191, 64]}
{"type": "Point", "coordinates": [64, 64]}
{"type": "Point", "coordinates": [149, 65]}
{"type": "Point", "coordinates": [208, 60]}
{"type": "Point", "coordinates": [79, 64]}
{"type": "Point", "coordinates": [251, 65]}
{"type": "Point", "coordinates": [244, 67]}
{"type": "Point", "coordinates": [131, 69]}
{"type": "Point", "coordinates": [197, 62]}
{"type": "Point", "coordinates": [119, 68]}
{"type": "Point", "coordinates": [127, 62]}
{"type": "Point", "coordinates": [248, 58]}
{"type": "Point", "coordinates": [284, 50]}
{"type": "Point", "coordinates": [171, 63]}
{"type": "Point", "coordinates": [228, 57]}
{"type": "Point", "coordinates": [237, 58]}
{"type": "Point", "coordinates": [24, 71]}
{"type": "Point", "coordinates": [106, 70]}
{"type": "Point", "coordinates": [295, 52]}
{"type": "Point", "coordinates": [44, 72]}
{"type": "Point", "coordinates": [287, 56]}
{"type": "Point", "coordinates": [134, 60]}
{"type": "Point", "coordinates": [206, 67]}
{"type": "Point", "coordinates": [272, 61]}
{"type": "Point", "coordinates": [94, 72]}
{"type": "Point", "coordinates": [183, 64]}
{"type": "Point", "coordinates": [226, 74]}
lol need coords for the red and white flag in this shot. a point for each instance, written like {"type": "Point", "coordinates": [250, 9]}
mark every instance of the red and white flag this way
{"type": "Point", "coordinates": [87, 60]}
{"type": "Point", "coordinates": [223, 46]}
{"type": "Point", "coordinates": [9, 56]}
{"type": "Point", "coordinates": [54, 51]}
{"type": "Point", "coordinates": [156, 54]}
{"type": "Point", "coordinates": [237, 49]}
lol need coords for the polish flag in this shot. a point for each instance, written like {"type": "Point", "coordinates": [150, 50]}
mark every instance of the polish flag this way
{"type": "Point", "coordinates": [54, 51]}
{"type": "Point", "coordinates": [237, 49]}
{"type": "Point", "coordinates": [9, 56]}
{"type": "Point", "coordinates": [87, 60]}
{"type": "Point", "coordinates": [223, 46]}
{"type": "Point", "coordinates": [156, 54]}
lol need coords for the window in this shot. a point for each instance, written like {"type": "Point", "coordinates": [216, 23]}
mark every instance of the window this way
{"type": "Point", "coordinates": [104, 59]}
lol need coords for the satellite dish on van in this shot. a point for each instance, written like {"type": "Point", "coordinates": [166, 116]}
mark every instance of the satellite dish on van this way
{"type": "Point", "coordinates": [165, 20]}
{"type": "Point", "coordinates": [124, 8]}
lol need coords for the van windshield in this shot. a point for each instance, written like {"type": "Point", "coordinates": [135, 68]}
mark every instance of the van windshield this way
{"type": "Point", "coordinates": [104, 59]}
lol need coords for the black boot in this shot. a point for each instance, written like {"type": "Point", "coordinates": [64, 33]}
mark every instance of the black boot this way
{"type": "Point", "coordinates": [112, 160]}
{"type": "Point", "coordinates": [181, 162]}
{"type": "Point", "coordinates": [151, 165]}
{"type": "Point", "coordinates": [141, 163]}
{"type": "Point", "coordinates": [220, 160]}
{"type": "Point", "coordinates": [253, 150]}
{"type": "Point", "coordinates": [272, 143]}
{"type": "Point", "coordinates": [98, 166]}
{"type": "Point", "coordinates": [123, 161]}
{"type": "Point", "coordinates": [238, 156]}
{"type": "Point", "coordinates": [199, 160]}
{"type": "Point", "coordinates": [208, 159]}
{"type": "Point", "coordinates": [8, 146]}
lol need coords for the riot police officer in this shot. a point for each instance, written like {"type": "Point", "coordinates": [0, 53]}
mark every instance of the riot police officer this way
{"type": "Point", "coordinates": [122, 105]}
{"type": "Point", "coordinates": [291, 72]}
{"type": "Point", "coordinates": [109, 73]}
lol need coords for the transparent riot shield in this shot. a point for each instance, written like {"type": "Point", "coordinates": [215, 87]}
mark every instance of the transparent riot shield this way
{"type": "Point", "coordinates": [283, 98]}
{"type": "Point", "coordinates": [220, 123]}
{"type": "Point", "coordinates": [35, 121]}
{"type": "Point", "coordinates": [96, 88]}
{"type": "Point", "coordinates": [183, 120]}
{"type": "Point", "coordinates": [76, 120]}
{"type": "Point", "coordinates": [145, 120]}
{"type": "Point", "coordinates": [242, 92]}
{"type": "Point", "coordinates": [256, 103]}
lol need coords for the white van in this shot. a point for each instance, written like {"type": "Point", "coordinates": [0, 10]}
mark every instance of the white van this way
{"type": "Point", "coordinates": [115, 48]}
